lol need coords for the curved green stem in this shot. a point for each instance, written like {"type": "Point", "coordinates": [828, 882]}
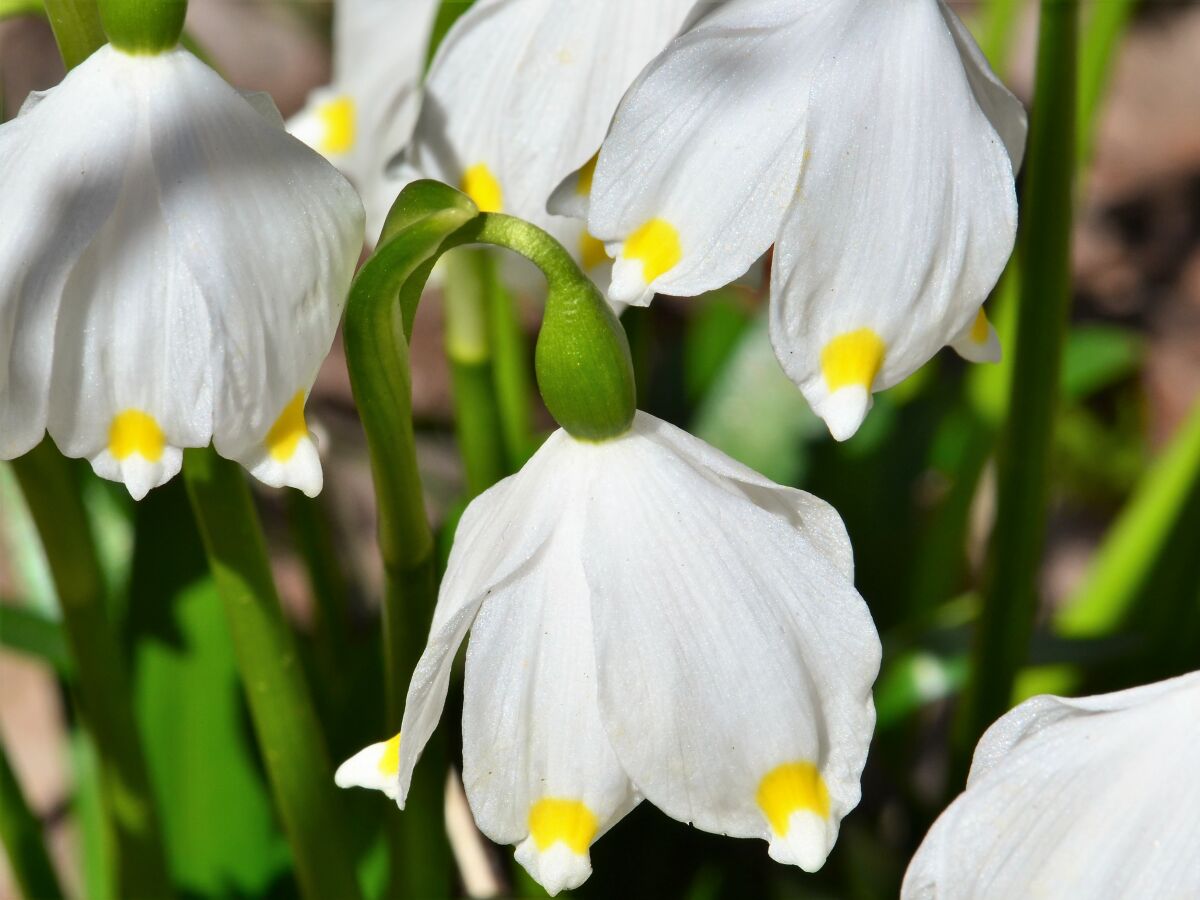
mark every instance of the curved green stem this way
{"type": "Point", "coordinates": [1010, 598]}
{"type": "Point", "coordinates": [280, 707]}
{"type": "Point", "coordinates": [466, 300]}
{"type": "Point", "coordinates": [51, 488]}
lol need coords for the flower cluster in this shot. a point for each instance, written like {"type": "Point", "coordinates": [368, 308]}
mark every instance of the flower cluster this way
{"type": "Point", "coordinates": [649, 619]}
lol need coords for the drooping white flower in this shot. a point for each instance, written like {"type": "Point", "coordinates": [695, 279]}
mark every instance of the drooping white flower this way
{"type": "Point", "coordinates": [1088, 798]}
{"type": "Point", "coordinates": [650, 619]}
{"type": "Point", "coordinates": [521, 93]}
{"type": "Point", "coordinates": [367, 113]}
{"type": "Point", "coordinates": [868, 141]}
{"type": "Point", "coordinates": [172, 270]}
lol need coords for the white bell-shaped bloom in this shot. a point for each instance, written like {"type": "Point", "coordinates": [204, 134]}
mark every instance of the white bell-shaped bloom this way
{"type": "Point", "coordinates": [650, 619]}
{"type": "Point", "coordinates": [367, 113]}
{"type": "Point", "coordinates": [520, 94]}
{"type": "Point", "coordinates": [868, 141]}
{"type": "Point", "coordinates": [172, 269]}
{"type": "Point", "coordinates": [1090, 798]}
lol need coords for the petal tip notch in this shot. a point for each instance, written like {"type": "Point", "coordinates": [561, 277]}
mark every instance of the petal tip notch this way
{"type": "Point", "coordinates": [844, 411]}
{"type": "Point", "coordinates": [850, 364]}
{"type": "Point", "coordinates": [137, 454]}
{"type": "Point", "coordinates": [556, 868]}
{"type": "Point", "coordinates": [978, 343]}
{"type": "Point", "coordinates": [795, 801]}
{"type": "Point", "coordinates": [291, 458]}
{"type": "Point", "coordinates": [556, 852]}
{"type": "Point", "coordinates": [805, 844]}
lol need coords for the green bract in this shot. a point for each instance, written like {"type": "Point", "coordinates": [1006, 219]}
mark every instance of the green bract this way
{"type": "Point", "coordinates": [143, 26]}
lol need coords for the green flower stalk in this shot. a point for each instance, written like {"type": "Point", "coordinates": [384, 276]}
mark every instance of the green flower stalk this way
{"type": "Point", "coordinates": [280, 707]}
{"type": "Point", "coordinates": [51, 489]}
{"type": "Point", "coordinates": [467, 300]}
{"type": "Point", "coordinates": [1010, 600]}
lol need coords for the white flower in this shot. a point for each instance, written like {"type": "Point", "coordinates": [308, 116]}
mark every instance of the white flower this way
{"type": "Point", "coordinates": [868, 141]}
{"type": "Point", "coordinates": [649, 619]}
{"type": "Point", "coordinates": [172, 270]}
{"type": "Point", "coordinates": [521, 93]}
{"type": "Point", "coordinates": [1091, 798]}
{"type": "Point", "coordinates": [367, 113]}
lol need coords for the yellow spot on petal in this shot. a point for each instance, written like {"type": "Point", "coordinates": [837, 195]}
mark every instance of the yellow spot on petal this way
{"type": "Point", "coordinates": [553, 820]}
{"type": "Point", "coordinates": [481, 185]}
{"type": "Point", "coordinates": [583, 184]}
{"type": "Point", "coordinates": [591, 251]}
{"type": "Point", "coordinates": [389, 762]}
{"type": "Point", "coordinates": [133, 431]}
{"type": "Point", "coordinates": [853, 358]}
{"type": "Point", "coordinates": [790, 788]}
{"type": "Point", "coordinates": [979, 329]}
{"type": "Point", "coordinates": [289, 429]}
{"type": "Point", "coordinates": [657, 245]}
{"type": "Point", "coordinates": [337, 120]}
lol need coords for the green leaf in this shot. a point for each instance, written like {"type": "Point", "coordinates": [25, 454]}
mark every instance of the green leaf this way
{"type": "Point", "coordinates": [1098, 356]}
{"type": "Point", "coordinates": [96, 845]}
{"type": "Point", "coordinates": [754, 413]}
{"type": "Point", "coordinates": [219, 825]}
{"type": "Point", "coordinates": [1135, 544]}
{"type": "Point", "coordinates": [34, 634]}
{"type": "Point", "coordinates": [21, 833]}
{"type": "Point", "coordinates": [713, 333]}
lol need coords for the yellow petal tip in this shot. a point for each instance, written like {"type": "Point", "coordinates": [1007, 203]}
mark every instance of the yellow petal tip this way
{"type": "Point", "coordinates": [134, 431]}
{"type": "Point", "coordinates": [337, 118]}
{"type": "Point", "coordinates": [289, 429]}
{"type": "Point", "coordinates": [554, 820]}
{"type": "Point", "coordinates": [852, 359]}
{"type": "Point", "coordinates": [656, 246]}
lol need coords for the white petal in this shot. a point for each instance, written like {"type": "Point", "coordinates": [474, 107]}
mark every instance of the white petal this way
{"type": "Point", "coordinates": [1004, 111]}
{"type": "Point", "coordinates": [374, 767]}
{"type": "Point", "coordinates": [40, 158]}
{"type": "Point", "coordinates": [537, 765]}
{"type": "Point", "coordinates": [819, 521]}
{"type": "Point", "coordinates": [735, 657]}
{"type": "Point", "coordinates": [705, 150]}
{"type": "Point", "coordinates": [978, 342]}
{"type": "Point", "coordinates": [183, 272]}
{"type": "Point", "coordinates": [500, 536]}
{"type": "Point", "coordinates": [368, 113]}
{"type": "Point", "coordinates": [905, 217]}
{"type": "Point", "coordinates": [1094, 797]}
{"type": "Point", "coordinates": [510, 73]}
{"type": "Point", "coordinates": [264, 104]}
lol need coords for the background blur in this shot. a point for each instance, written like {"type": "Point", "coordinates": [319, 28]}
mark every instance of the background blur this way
{"type": "Point", "coordinates": [914, 486]}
